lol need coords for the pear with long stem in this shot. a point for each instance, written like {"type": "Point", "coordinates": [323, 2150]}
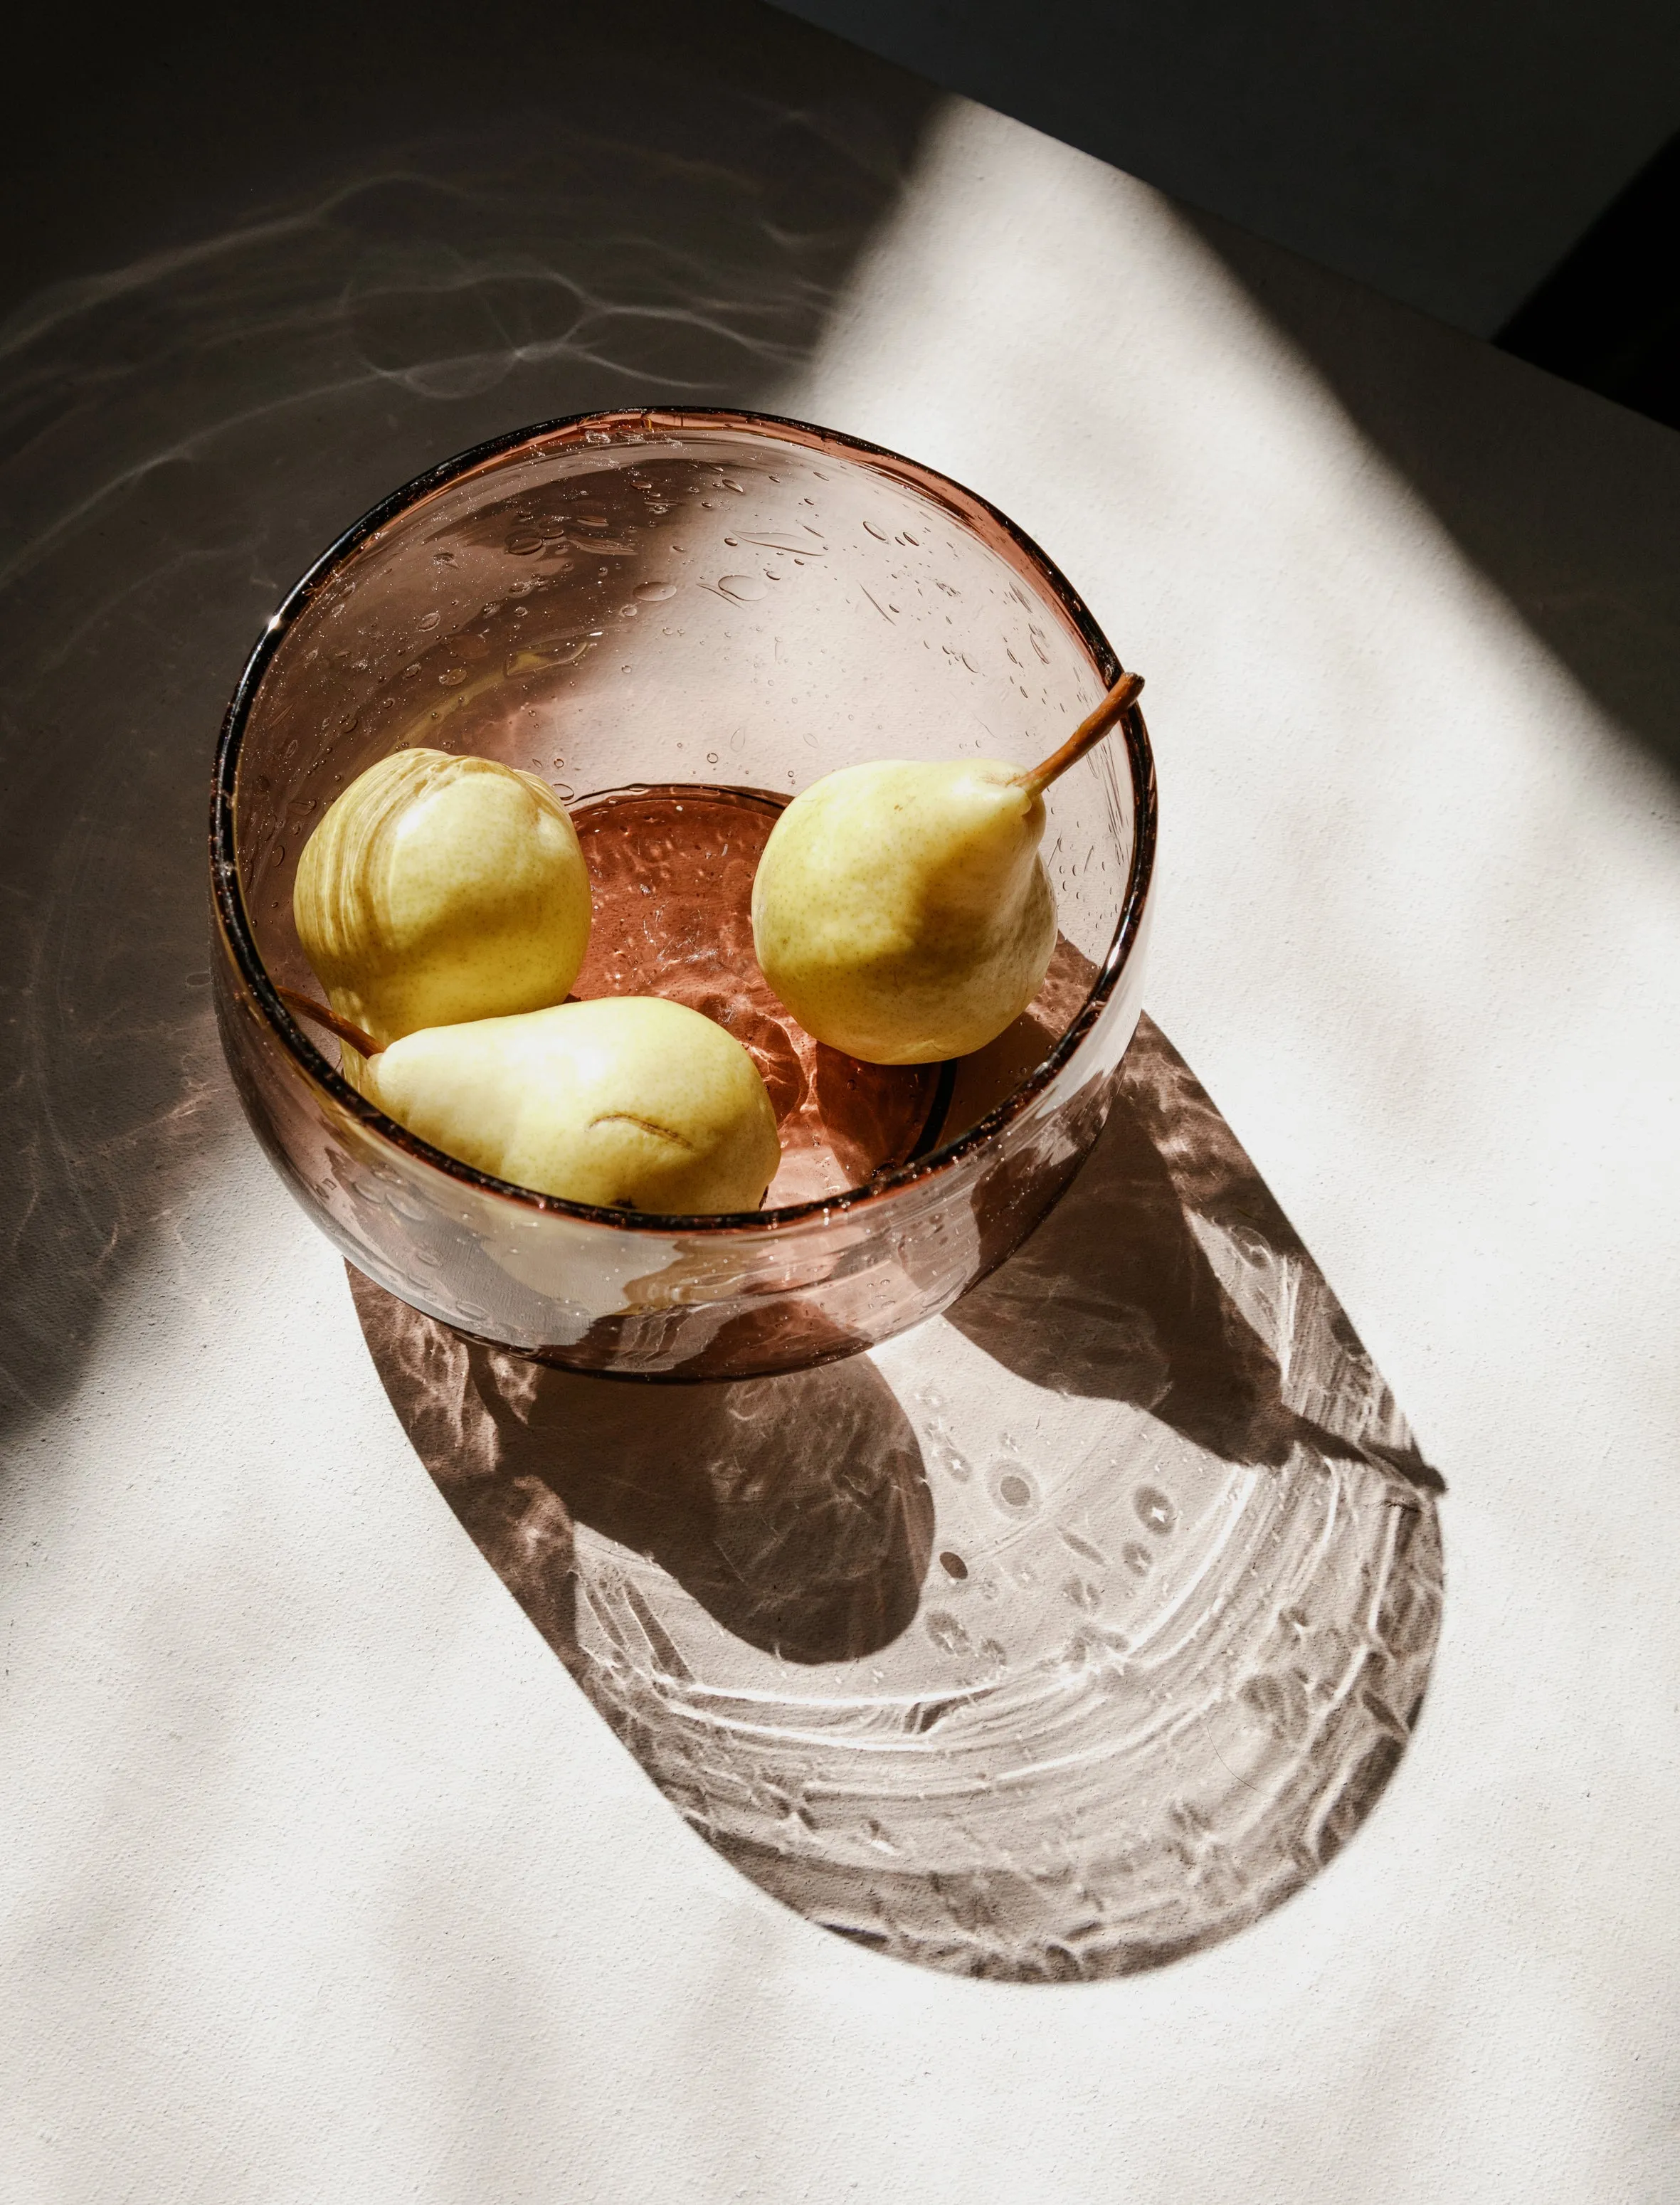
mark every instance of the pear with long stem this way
{"type": "Point", "coordinates": [901, 911]}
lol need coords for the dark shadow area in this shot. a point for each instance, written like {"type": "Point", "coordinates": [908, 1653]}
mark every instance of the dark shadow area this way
{"type": "Point", "coordinates": [1579, 531]}
{"type": "Point", "coordinates": [1608, 315]}
{"type": "Point", "coordinates": [1448, 153]}
{"type": "Point", "coordinates": [169, 125]}
{"type": "Point", "coordinates": [274, 266]}
{"type": "Point", "coordinates": [1050, 1710]}
{"type": "Point", "coordinates": [794, 1510]}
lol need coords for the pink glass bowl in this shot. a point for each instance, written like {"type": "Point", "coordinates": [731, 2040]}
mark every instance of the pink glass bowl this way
{"type": "Point", "coordinates": [705, 598]}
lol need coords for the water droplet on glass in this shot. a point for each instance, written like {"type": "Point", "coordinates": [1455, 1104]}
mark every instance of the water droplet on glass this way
{"type": "Point", "coordinates": [744, 588]}
{"type": "Point", "coordinates": [431, 619]}
{"type": "Point", "coordinates": [1154, 1511]}
{"type": "Point", "coordinates": [656, 593]}
{"type": "Point", "coordinates": [628, 612]}
{"type": "Point", "coordinates": [564, 790]}
{"type": "Point", "coordinates": [946, 1633]}
{"type": "Point", "coordinates": [952, 1461]}
{"type": "Point", "coordinates": [1014, 1489]}
{"type": "Point", "coordinates": [1137, 1558]}
{"type": "Point", "coordinates": [711, 757]}
{"type": "Point", "coordinates": [952, 1564]}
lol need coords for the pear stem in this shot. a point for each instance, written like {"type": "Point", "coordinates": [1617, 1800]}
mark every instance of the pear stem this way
{"type": "Point", "coordinates": [305, 1006]}
{"type": "Point", "coordinates": [1087, 735]}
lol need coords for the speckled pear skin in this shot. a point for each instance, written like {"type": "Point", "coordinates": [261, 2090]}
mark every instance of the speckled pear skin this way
{"type": "Point", "coordinates": [437, 889]}
{"type": "Point", "coordinates": [630, 1101]}
{"type": "Point", "coordinates": [900, 910]}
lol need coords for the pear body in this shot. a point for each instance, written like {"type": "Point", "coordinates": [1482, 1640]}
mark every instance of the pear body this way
{"type": "Point", "coordinates": [629, 1102]}
{"type": "Point", "coordinates": [900, 910]}
{"type": "Point", "coordinates": [437, 889]}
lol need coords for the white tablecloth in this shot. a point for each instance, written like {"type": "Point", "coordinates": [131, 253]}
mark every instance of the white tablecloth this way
{"type": "Point", "coordinates": [321, 1881]}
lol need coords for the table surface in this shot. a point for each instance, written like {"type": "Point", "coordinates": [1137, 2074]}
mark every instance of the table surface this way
{"type": "Point", "coordinates": [322, 1878]}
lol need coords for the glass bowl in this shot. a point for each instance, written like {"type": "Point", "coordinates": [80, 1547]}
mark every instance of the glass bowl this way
{"type": "Point", "coordinates": [718, 607]}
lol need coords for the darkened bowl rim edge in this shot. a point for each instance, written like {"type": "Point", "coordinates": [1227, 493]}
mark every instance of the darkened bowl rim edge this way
{"type": "Point", "coordinates": [230, 903]}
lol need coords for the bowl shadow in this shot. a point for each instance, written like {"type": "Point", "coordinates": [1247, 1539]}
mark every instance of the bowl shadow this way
{"type": "Point", "coordinates": [1042, 1708]}
{"type": "Point", "coordinates": [793, 1511]}
{"type": "Point", "coordinates": [1163, 1283]}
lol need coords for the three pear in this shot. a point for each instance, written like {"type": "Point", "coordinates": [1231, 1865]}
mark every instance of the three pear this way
{"type": "Point", "coordinates": [900, 910]}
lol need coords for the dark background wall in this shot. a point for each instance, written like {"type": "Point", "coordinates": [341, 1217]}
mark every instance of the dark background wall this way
{"type": "Point", "coordinates": [1449, 152]}
{"type": "Point", "coordinates": [1500, 164]}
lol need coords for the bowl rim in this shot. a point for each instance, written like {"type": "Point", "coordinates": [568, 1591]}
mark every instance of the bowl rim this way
{"type": "Point", "coordinates": [636, 425]}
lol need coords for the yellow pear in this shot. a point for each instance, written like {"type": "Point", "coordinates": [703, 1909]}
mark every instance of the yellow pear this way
{"type": "Point", "coordinates": [439, 889]}
{"type": "Point", "coordinates": [900, 909]}
{"type": "Point", "coordinates": [629, 1102]}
